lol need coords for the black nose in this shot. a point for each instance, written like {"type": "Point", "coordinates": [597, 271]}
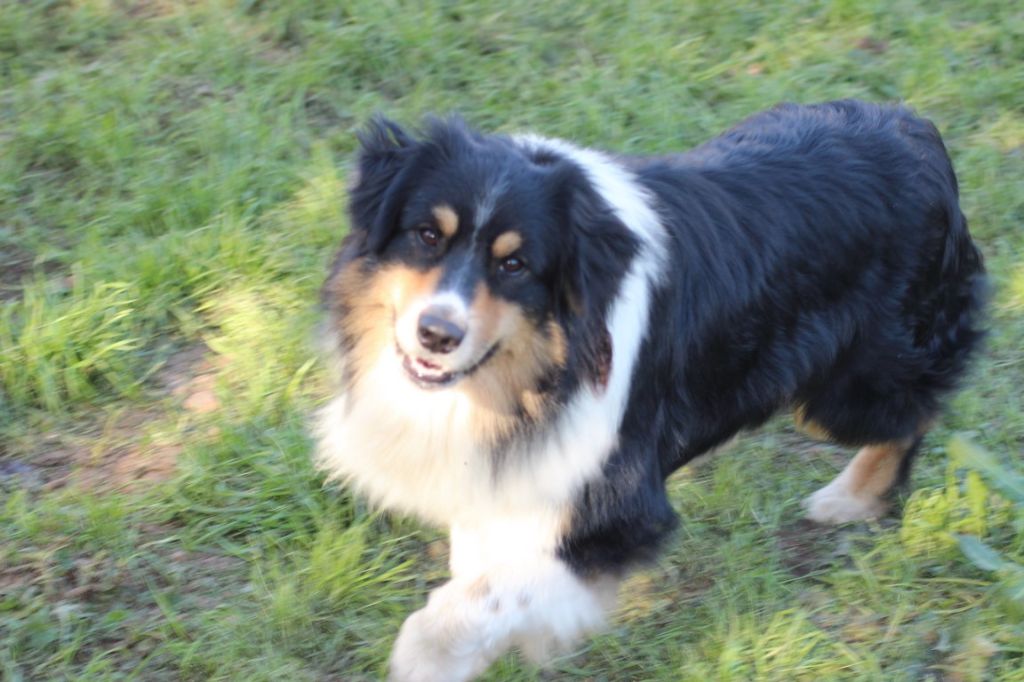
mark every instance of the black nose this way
{"type": "Point", "coordinates": [439, 335]}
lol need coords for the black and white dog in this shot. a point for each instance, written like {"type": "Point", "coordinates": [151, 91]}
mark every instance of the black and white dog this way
{"type": "Point", "coordinates": [532, 336]}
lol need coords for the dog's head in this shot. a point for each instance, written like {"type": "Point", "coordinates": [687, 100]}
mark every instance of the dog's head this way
{"type": "Point", "coordinates": [476, 263]}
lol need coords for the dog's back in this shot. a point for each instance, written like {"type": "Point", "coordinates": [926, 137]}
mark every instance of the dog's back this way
{"type": "Point", "coordinates": [822, 261]}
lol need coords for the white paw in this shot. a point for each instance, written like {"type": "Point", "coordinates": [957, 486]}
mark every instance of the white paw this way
{"type": "Point", "coordinates": [424, 652]}
{"type": "Point", "coordinates": [542, 648]}
{"type": "Point", "coordinates": [834, 504]}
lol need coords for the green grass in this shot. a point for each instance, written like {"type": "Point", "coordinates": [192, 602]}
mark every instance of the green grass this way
{"type": "Point", "coordinates": [171, 186]}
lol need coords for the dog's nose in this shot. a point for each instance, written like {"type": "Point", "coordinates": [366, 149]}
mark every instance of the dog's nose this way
{"type": "Point", "coordinates": [437, 334]}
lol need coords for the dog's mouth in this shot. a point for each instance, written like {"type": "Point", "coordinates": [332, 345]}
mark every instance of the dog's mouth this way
{"type": "Point", "coordinates": [429, 375]}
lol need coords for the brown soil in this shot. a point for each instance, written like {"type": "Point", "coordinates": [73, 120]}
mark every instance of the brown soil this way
{"type": "Point", "coordinates": [17, 265]}
{"type": "Point", "coordinates": [113, 451]}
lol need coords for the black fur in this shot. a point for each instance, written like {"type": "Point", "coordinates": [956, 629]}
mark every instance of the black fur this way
{"type": "Point", "coordinates": [819, 258]}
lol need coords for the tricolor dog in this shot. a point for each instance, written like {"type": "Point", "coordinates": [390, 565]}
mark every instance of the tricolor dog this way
{"type": "Point", "coordinates": [532, 335]}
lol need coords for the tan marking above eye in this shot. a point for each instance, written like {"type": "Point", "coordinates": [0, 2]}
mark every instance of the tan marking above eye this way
{"type": "Point", "coordinates": [506, 244]}
{"type": "Point", "coordinates": [447, 220]}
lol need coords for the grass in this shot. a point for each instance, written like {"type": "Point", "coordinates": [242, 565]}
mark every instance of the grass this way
{"type": "Point", "coordinates": [171, 186]}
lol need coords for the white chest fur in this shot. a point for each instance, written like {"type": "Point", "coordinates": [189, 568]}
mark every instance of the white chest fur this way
{"type": "Point", "coordinates": [413, 451]}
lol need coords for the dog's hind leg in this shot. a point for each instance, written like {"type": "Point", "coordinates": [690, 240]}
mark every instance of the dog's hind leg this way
{"type": "Point", "coordinates": [859, 491]}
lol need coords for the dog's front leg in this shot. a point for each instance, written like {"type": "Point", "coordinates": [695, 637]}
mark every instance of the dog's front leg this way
{"type": "Point", "coordinates": [454, 637]}
{"type": "Point", "coordinates": [507, 590]}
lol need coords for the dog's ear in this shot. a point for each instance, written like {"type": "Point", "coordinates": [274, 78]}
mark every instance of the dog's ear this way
{"type": "Point", "coordinates": [385, 151]}
{"type": "Point", "coordinates": [597, 253]}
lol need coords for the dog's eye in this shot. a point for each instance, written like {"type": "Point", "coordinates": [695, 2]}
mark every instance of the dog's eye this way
{"type": "Point", "coordinates": [511, 265]}
{"type": "Point", "coordinates": [429, 236]}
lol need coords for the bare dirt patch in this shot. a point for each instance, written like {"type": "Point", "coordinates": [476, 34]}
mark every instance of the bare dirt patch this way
{"type": "Point", "coordinates": [189, 376]}
{"type": "Point", "coordinates": [805, 547]}
{"type": "Point", "coordinates": [42, 462]}
{"type": "Point", "coordinates": [17, 265]}
{"type": "Point", "coordinates": [114, 455]}
{"type": "Point", "coordinates": [113, 450]}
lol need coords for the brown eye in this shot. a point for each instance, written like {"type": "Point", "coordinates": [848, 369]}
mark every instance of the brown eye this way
{"type": "Point", "coordinates": [511, 265]}
{"type": "Point", "coordinates": [429, 236]}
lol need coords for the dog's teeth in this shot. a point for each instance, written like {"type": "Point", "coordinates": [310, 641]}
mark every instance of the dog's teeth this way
{"type": "Point", "coordinates": [427, 364]}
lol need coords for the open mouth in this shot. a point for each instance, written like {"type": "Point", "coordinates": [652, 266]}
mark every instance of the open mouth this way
{"type": "Point", "coordinates": [426, 374]}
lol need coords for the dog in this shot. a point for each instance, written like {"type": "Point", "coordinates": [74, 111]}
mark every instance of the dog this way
{"type": "Point", "coordinates": [531, 336]}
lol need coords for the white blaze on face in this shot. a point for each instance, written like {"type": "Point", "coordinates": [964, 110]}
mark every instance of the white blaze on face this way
{"type": "Point", "coordinates": [455, 309]}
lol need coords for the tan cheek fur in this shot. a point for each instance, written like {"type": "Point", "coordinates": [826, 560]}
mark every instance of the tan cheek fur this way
{"type": "Point", "coordinates": [508, 381]}
{"type": "Point", "coordinates": [365, 305]}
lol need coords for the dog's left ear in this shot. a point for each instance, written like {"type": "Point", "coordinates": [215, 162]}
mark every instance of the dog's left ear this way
{"type": "Point", "coordinates": [385, 151]}
{"type": "Point", "coordinates": [596, 256]}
